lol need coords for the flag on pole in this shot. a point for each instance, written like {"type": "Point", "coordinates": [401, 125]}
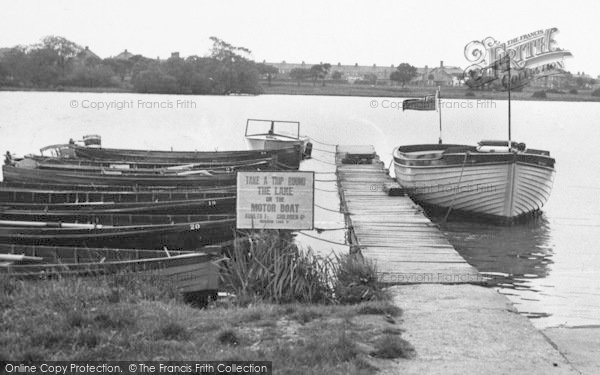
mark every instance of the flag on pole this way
{"type": "Point", "coordinates": [423, 104]}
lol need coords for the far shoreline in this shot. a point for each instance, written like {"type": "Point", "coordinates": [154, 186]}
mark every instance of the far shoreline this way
{"type": "Point", "coordinates": [346, 90]}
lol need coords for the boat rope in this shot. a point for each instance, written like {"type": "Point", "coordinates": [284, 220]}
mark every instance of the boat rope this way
{"type": "Point", "coordinates": [320, 230]}
{"type": "Point", "coordinates": [286, 166]}
{"type": "Point", "coordinates": [320, 142]}
{"type": "Point", "coordinates": [324, 240]}
{"type": "Point", "coordinates": [323, 161]}
{"type": "Point", "coordinates": [326, 190]}
{"type": "Point", "coordinates": [457, 188]}
{"type": "Point", "coordinates": [333, 172]}
{"type": "Point", "coordinates": [320, 149]}
{"type": "Point", "coordinates": [331, 210]}
{"type": "Point", "coordinates": [326, 180]}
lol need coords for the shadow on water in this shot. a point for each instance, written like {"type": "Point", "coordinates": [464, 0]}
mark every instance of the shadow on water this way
{"type": "Point", "coordinates": [508, 255]}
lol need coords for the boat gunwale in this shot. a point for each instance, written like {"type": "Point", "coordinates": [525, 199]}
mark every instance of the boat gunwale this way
{"type": "Point", "coordinates": [472, 165]}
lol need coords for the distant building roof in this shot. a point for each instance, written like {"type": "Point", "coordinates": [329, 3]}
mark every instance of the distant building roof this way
{"type": "Point", "coordinates": [382, 72]}
{"type": "Point", "coordinates": [125, 55]}
{"type": "Point", "coordinates": [87, 54]}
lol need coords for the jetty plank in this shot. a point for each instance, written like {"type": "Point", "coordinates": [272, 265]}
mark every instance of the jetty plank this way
{"type": "Point", "coordinates": [390, 229]}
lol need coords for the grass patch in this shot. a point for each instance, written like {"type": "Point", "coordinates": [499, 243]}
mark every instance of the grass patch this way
{"type": "Point", "coordinates": [121, 318]}
{"type": "Point", "coordinates": [392, 331]}
{"type": "Point", "coordinates": [298, 338]}
{"type": "Point", "coordinates": [356, 280]}
{"type": "Point", "coordinates": [252, 316]}
{"type": "Point", "coordinates": [306, 314]}
{"type": "Point", "coordinates": [227, 337]}
{"type": "Point", "coordinates": [76, 319]}
{"type": "Point", "coordinates": [173, 331]}
{"type": "Point", "coordinates": [379, 308]}
{"type": "Point", "coordinates": [392, 346]}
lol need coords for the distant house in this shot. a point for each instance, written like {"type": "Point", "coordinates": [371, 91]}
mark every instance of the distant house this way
{"type": "Point", "coordinates": [86, 57]}
{"type": "Point", "coordinates": [125, 55]}
{"type": "Point", "coordinates": [556, 80]}
{"type": "Point", "coordinates": [439, 76]}
{"type": "Point", "coordinates": [87, 53]}
{"type": "Point", "coordinates": [351, 73]}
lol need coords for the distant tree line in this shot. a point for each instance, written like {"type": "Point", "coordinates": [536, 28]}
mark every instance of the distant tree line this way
{"type": "Point", "coordinates": [57, 62]}
{"type": "Point", "coordinates": [314, 73]}
{"type": "Point", "coordinates": [319, 72]}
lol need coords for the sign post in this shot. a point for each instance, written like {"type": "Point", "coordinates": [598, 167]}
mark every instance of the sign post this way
{"type": "Point", "coordinates": [275, 200]}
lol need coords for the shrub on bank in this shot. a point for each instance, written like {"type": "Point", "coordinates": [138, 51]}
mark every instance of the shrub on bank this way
{"type": "Point", "coordinates": [596, 92]}
{"type": "Point", "coordinates": [267, 266]}
{"type": "Point", "coordinates": [356, 280]}
{"type": "Point", "coordinates": [573, 91]}
{"type": "Point", "coordinates": [539, 95]}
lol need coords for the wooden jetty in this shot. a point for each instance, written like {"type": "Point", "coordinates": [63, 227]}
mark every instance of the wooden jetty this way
{"type": "Point", "coordinates": [389, 229]}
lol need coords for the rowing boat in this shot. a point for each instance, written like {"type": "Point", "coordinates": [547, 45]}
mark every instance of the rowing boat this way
{"type": "Point", "coordinates": [189, 235]}
{"type": "Point", "coordinates": [124, 168]}
{"type": "Point", "coordinates": [52, 195]}
{"type": "Point", "coordinates": [49, 161]}
{"type": "Point", "coordinates": [185, 206]}
{"type": "Point", "coordinates": [106, 219]}
{"type": "Point", "coordinates": [62, 186]}
{"type": "Point", "coordinates": [186, 271]}
{"type": "Point", "coordinates": [209, 179]}
{"type": "Point", "coordinates": [284, 158]}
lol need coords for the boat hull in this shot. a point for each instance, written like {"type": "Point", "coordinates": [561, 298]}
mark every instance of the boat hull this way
{"type": "Point", "coordinates": [288, 157]}
{"type": "Point", "coordinates": [184, 236]}
{"type": "Point", "coordinates": [189, 272]}
{"type": "Point", "coordinates": [264, 143]}
{"type": "Point", "coordinates": [26, 175]}
{"type": "Point", "coordinates": [63, 195]}
{"type": "Point", "coordinates": [191, 206]}
{"type": "Point", "coordinates": [501, 189]}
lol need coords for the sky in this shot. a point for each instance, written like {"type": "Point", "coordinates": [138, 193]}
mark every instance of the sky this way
{"type": "Point", "coordinates": [364, 32]}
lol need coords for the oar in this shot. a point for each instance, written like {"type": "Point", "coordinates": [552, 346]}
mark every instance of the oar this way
{"type": "Point", "coordinates": [50, 224]}
{"type": "Point", "coordinates": [20, 258]}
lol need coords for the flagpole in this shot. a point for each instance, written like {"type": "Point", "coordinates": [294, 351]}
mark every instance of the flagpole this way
{"type": "Point", "coordinates": [440, 113]}
{"type": "Point", "coordinates": [509, 125]}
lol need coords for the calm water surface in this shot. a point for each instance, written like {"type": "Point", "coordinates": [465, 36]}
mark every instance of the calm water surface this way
{"type": "Point", "coordinates": [549, 267]}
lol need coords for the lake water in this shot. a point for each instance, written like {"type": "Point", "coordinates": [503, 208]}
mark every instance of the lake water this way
{"type": "Point", "coordinates": [549, 267]}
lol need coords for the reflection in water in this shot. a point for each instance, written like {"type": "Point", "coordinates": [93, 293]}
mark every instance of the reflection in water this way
{"type": "Point", "coordinates": [506, 253]}
{"type": "Point", "coordinates": [508, 256]}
